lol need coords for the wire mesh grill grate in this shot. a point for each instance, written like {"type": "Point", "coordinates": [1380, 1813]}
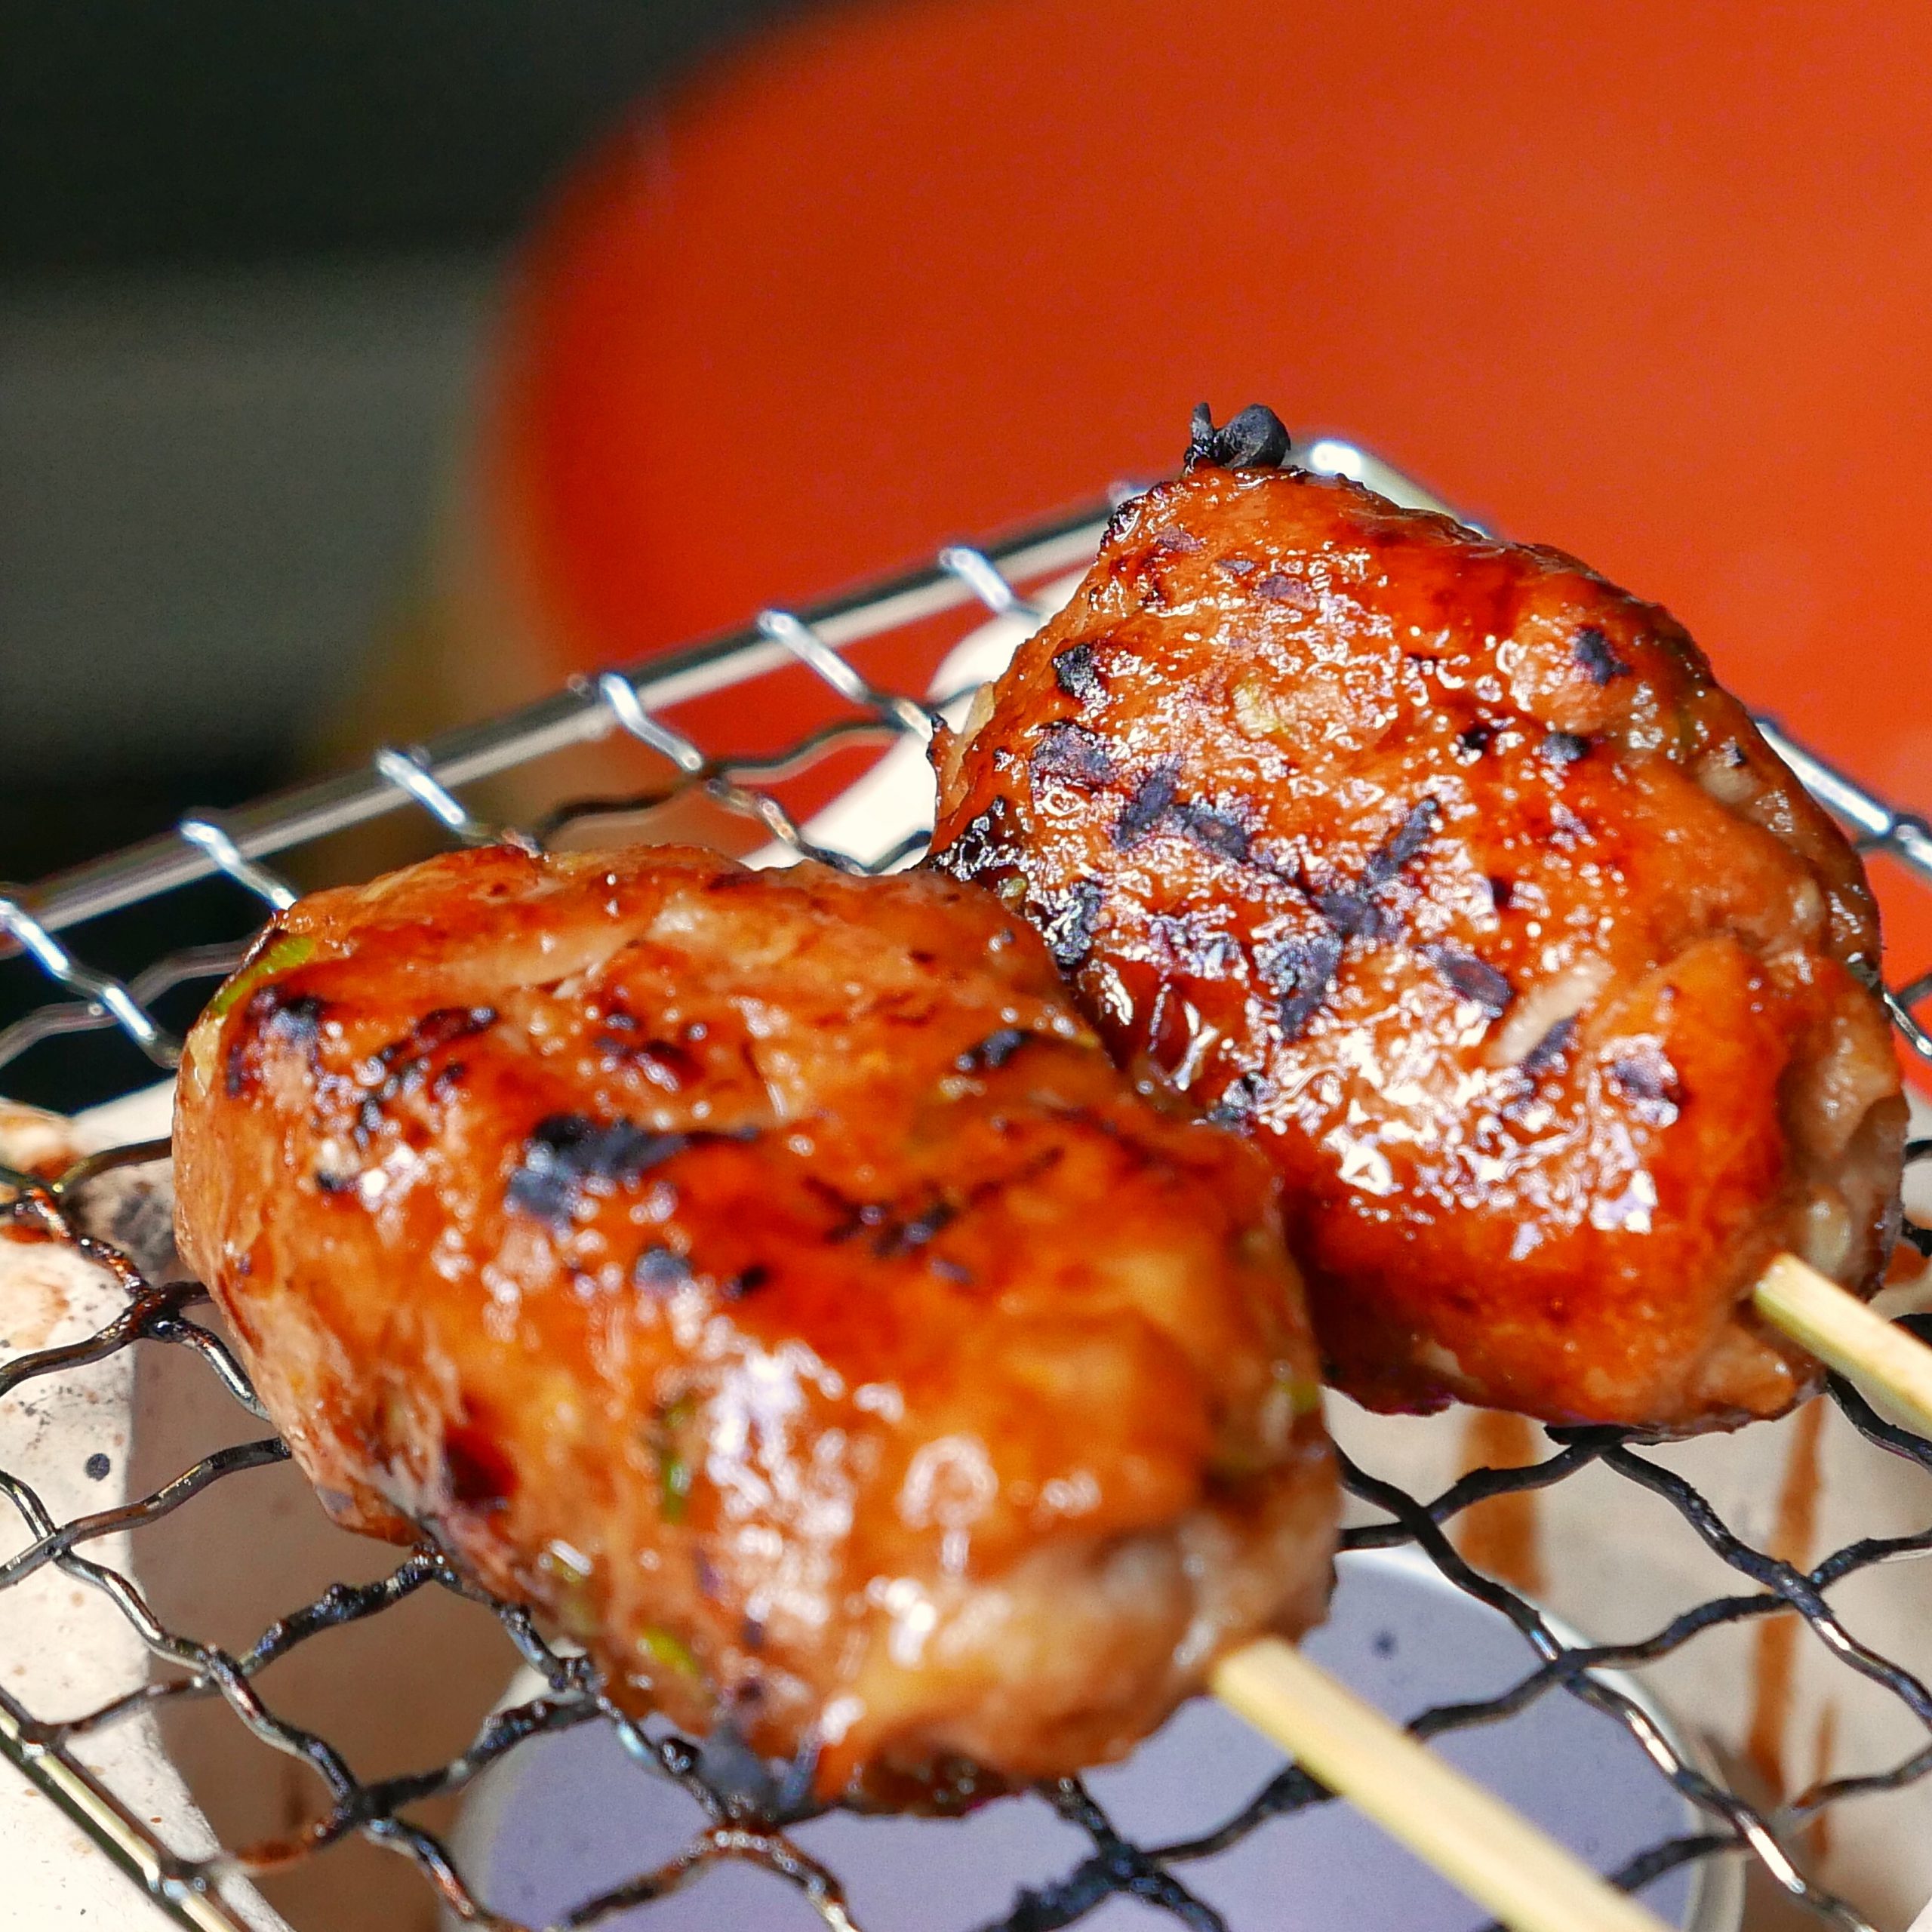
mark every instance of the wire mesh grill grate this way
{"type": "Point", "coordinates": [753, 1822]}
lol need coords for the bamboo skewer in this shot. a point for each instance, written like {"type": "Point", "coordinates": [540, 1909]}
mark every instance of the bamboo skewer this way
{"type": "Point", "coordinates": [1494, 1854]}
{"type": "Point", "coordinates": [1504, 1863]}
{"type": "Point", "coordinates": [1839, 1329]}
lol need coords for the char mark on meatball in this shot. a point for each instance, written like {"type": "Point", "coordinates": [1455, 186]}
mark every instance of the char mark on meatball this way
{"type": "Point", "coordinates": [403, 1065]}
{"type": "Point", "coordinates": [1253, 438]}
{"type": "Point", "coordinates": [1076, 673]}
{"type": "Point", "coordinates": [1217, 832]}
{"type": "Point", "coordinates": [1598, 656]}
{"type": "Point", "coordinates": [1410, 836]}
{"type": "Point", "coordinates": [990, 841]}
{"type": "Point", "coordinates": [1299, 973]}
{"type": "Point", "coordinates": [905, 1236]}
{"type": "Point", "coordinates": [273, 1014]}
{"type": "Point", "coordinates": [1551, 1048]}
{"type": "Point", "coordinates": [665, 1063]}
{"type": "Point", "coordinates": [1473, 979]}
{"type": "Point", "coordinates": [434, 1029]}
{"type": "Point", "coordinates": [1275, 587]}
{"type": "Point", "coordinates": [1242, 1097]}
{"type": "Point", "coordinates": [295, 1017]}
{"type": "Point", "coordinates": [1073, 753]}
{"type": "Point", "coordinates": [994, 1051]}
{"type": "Point", "coordinates": [1068, 928]}
{"type": "Point", "coordinates": [569, 1154]}
{"type": "Point", "coordinates": [1353, 913]}
{"type": "Point", "coordinates": [1148, 804]}
{"type": "Point", "coordinates": [658, 1270]}
{"type": "Point", "coordinates": [1649, 1083]}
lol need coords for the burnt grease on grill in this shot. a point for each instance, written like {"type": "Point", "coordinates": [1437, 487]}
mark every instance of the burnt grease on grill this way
{"type": "Point", "coordinates": [568, 1157]}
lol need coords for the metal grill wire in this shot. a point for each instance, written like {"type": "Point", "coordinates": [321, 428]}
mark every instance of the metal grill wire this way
{"type": "Point", "coordinates": [753, 1825]}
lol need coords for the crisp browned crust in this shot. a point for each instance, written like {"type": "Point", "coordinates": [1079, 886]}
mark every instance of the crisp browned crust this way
{"type": "Point", "coordinates": [768, 1275]}
{"type": "Point", "coordinates": [1446, 869]}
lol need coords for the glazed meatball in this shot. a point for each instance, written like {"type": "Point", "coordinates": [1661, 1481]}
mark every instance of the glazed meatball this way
{"type": "Point", "coordinates": [768, 1276]}
{"type": "Point", "coordinates": [1445, 869]}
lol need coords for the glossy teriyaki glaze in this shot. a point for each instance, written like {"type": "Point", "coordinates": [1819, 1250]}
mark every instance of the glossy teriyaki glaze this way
{"type": "Point", "coordinates": [767, 1275]}
{"type": "Point", "coordinates": [1446, 869]}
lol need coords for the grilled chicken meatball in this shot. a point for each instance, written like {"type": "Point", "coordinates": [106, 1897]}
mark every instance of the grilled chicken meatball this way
{"type": "Point", "coordinates": [768, 1276]}
{"type": "Point", "coordinates": [1446, 869]}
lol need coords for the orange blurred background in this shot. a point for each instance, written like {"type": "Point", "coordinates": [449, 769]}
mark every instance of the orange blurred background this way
{"type": "Point", "coordinates": [1649, 283]}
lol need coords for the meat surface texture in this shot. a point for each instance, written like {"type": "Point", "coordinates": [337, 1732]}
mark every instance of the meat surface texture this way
{"type": "Point", "coordinates": [1446, 869]}
{"type": "Point", "coordinates": [769, 1277]}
